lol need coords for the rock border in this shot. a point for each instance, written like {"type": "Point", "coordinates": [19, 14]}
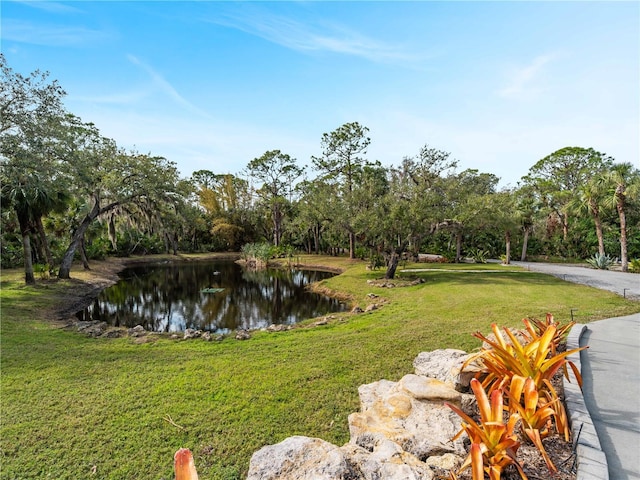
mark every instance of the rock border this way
{"type": "Point", "coordinates": [590, 458]}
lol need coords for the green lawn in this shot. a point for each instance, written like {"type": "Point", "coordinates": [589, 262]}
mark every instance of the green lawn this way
{"type": "Point", "coordinates": [72, 405]}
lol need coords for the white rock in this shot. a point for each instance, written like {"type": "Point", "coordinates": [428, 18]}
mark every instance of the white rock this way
{"type": "Point", "coordinates": [419, 426]}
{"type": "Point", "coordinates": [378, 458]}
{"type": "Point", "coordinates": [448, 461]}
{"type": "Point", "coordinates": [300, 458]}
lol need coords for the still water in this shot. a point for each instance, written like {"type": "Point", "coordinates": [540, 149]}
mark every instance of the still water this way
{"type": "Point", "coordinates": [169, 297]}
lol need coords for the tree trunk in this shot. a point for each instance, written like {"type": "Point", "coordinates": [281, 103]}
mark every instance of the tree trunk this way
{"type": "Point", "coordinates": [174, 244]}
{"type": "Point", "coordinates": [277, 224]}
{"type": "Point", "coordinates": [507, 238]}
{"type": "Point", "coordinates": [23, 219]}
{"type": "Point", "coordinates": [37, 250]}
{"type": "Point", "coordinates": [83, 255]}
{"type": "Point", "coordinates": [78, 235]}
{"type": "Point", "coordinates": [392, 265]}
{"type": "Point", "coordinates": [599, 234]}
{"type": "Point", "coordinates": [166, 243]}
{"type": "Point", "coordinates": [43, 240]}
{"type": "Point", "coordinates": [352, 245]}
{"type": "Point", "coordinates": [316, 239]}
{"type": "Point", "coordinates": [458, 246]}
{"type": "Point", "coordinates": [623, 229]}
{"type": "Point", "coordinates": [111, 228]}
{"type": "Point", "coordinates": [525, 242]}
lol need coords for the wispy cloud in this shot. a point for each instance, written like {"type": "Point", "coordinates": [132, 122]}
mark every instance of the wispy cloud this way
{"type": "Point", "coordinates": [164, 86]}
{"type": "Point", "coordinates": [318, 37]}
{"type": "Point", "coordinates": [49, 6]}
{"type": "Point", "coordinates": [523, 80]}
{"type": "Point", "coordinates": [123, 98]}
{"type": "Point", "coordinates": [50, 35]}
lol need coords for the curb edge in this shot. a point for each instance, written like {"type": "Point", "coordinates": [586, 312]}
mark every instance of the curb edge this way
{"type": "Point", "coordinates": [591, 460]}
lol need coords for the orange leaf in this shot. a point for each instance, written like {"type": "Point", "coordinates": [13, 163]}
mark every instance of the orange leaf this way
{"type": "Point", "coordinates": [184, 465]}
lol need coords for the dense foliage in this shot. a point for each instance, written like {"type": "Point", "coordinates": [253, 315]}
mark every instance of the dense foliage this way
{"type": "Point", "coordinates": [70, 193]}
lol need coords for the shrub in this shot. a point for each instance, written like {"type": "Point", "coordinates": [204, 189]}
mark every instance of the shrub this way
{"type": "Point", "coordinates": [42, 269]}
{"type": "Point", "coordinates": [478, 256]}
{"type": "Point", "coordinates": [98, 249]}
{"type": "Point", "coordinates": [257, 254]}
{"type": "Point", "coordinates": [375, 261]}
{"type": "Point", "coordinates": [634, 265]}
{"type": "Point", "coordinates": [602, 262]}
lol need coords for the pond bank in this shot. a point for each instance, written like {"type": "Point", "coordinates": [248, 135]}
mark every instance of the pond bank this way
{"type": "Point", "coordinates": [87, 284]}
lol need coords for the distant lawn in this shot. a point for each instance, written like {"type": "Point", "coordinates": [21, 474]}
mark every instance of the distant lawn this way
{"type": "Point", "coordinates": [72, 405]}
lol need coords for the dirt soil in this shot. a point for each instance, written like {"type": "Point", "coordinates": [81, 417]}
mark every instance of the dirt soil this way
{"type": "Point", "coordinates": [102, 275]}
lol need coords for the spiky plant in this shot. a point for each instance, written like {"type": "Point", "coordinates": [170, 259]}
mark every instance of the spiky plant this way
{"type": "Point", "coordinates": [496, 442]}
{"type": "Point", "coordinates": [601, 261]}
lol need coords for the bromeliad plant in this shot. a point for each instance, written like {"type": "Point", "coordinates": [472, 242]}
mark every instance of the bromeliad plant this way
{"type": "Point", "coordinates": [184, 466]}
{"type": "Point", "coordinates": [495, 441]}
{"type": "Point", "coordinates": [503, 360]}
{"type": "Point", "coordinates": [535, 414]}
{"type": "Point", "coordinates": [519, 373]}
{"type": "Point", "coordinates": [535, 329]}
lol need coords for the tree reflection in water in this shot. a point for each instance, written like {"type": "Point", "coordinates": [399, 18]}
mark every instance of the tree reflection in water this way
{"type": "Point", "coordinates": [168, 297]}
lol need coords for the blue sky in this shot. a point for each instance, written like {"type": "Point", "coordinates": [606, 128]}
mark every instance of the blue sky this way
{"type": "Point", "coordinates": [212, 85]}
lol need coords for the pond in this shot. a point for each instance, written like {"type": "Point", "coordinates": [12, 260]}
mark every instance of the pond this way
{"type": "Point", "coordinates": [217, 296]}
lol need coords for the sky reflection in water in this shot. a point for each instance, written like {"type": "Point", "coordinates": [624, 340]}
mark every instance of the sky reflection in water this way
{"type": "Point", "coordinates": [168, 297]}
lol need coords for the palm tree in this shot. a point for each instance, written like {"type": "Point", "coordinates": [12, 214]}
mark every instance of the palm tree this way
{"type": "Point", "coordinates": [621, 183]}
{"type": "Point", "coordinates": [27, 194]}
{"type": "Point", "coordinates": [591, 198]}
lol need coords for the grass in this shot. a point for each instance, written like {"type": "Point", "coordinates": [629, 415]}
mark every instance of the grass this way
{"type": "Point", "coordinates": [71, 405]}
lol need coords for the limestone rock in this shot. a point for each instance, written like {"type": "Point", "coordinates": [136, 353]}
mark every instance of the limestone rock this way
{"type": "Point", "coordinates": [243, 335]}
{"type": "Point", "coordinates": [446, 462]}
{"type": "Point", "coordinates": [469, 404]}
{"type": "Point", "coordinates": [206, 336]}
{"type": "Point", "coordinates": [410, 413]}
{"type": "Point", "coordinates": [274, 327]}
{"type": "Point", "coordinates": [137, 331]}
{"type": "Point", "coordinates": [422, 388]}
{"type": "Point", "coordinates": [371, 307]}
{"type": "Point", "coordinates": [375, 458]}
{"type": "Point", "coordinates": [191, 333]}
{"type": "Point", "coordinates": [301, 458]}
{"type": "Point", "coordinates": [446, 365]}
{"type": "Point", "coordinates": [357, 309]}
{"type": "Point", "coordinates": [403, 431]}
{"type": "Point", "coordinates": [93, 328]}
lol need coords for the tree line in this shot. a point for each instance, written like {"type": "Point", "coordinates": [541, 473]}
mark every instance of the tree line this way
{"type": "Point", "coordinates": [70, 193]}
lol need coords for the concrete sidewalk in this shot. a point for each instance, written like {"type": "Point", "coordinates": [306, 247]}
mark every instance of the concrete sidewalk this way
{"type": "Point", "coordinates": [611, 374]}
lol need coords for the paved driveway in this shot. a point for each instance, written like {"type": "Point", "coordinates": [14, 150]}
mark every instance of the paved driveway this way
{"type": "Point", "coordinates": [624, 284]}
